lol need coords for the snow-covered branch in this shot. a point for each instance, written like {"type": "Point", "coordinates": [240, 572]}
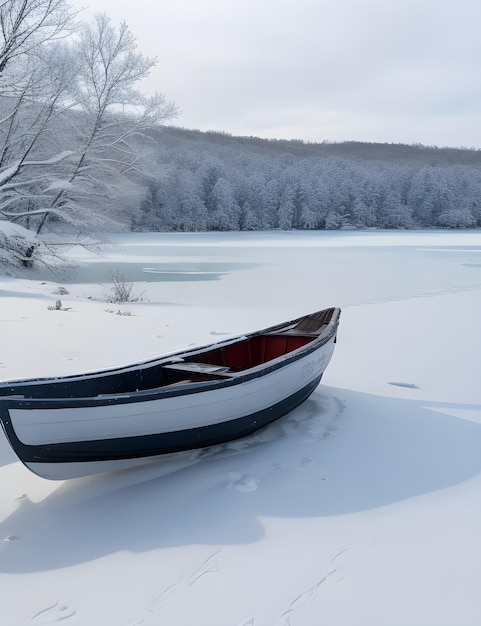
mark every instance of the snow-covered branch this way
{"type": "Point", "coordinates": [26, 25]}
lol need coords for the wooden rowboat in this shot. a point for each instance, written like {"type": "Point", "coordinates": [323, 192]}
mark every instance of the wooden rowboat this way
{"type": "Point", "coordinates": [80, 425]}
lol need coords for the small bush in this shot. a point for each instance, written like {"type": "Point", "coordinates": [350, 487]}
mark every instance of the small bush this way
{"type": "Point", "coordinates": [122, 291]}
{"type": "Point", "coordinates": [119, 312]}
{"type": "Point", "coordinates": [58, 306]}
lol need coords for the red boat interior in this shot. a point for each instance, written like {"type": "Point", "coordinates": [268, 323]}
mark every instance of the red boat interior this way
{"type": "Point", "coordinates": [251, 352]}
{"type": "Point", "coordinates": [217, 363]}
{"type": "Point", "coordinates": [262, 348]}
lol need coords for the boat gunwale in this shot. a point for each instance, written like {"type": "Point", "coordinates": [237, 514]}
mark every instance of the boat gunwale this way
{"type": "Point", "coordinates": [220, 380]}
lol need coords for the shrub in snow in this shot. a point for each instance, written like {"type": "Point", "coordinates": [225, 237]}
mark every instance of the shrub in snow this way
{"type": "Point", "coordinates": [58, 306]}
{"type": "Point", "coordinates": [122, 291]}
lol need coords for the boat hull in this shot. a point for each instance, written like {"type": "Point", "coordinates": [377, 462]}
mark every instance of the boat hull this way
{"type": "Point", "coordinates": [67, 437]}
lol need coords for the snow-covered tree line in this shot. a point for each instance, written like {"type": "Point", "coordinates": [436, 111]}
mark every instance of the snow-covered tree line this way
{"type": "Point", "coordinates": [70, 121]}
{"type": "Point", "coordinates": [80, 148]}
{"type": "Point", "coordinates": [210, 186]}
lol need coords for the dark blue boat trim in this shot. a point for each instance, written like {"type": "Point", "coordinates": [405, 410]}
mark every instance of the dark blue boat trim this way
{"type": "Point", "coordinates": [43, 392]}
{"type": "Point", "coordinates": [217, 382]}
{"type": "Point", "coordinates": [152, 445]}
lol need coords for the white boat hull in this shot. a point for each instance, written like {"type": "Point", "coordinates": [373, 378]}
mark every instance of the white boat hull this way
{"type": "Point", "coordinates": [66, 437]}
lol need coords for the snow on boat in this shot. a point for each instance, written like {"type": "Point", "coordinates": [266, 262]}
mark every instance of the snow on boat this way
{"type": "Point", "coordinates": [81, 425]}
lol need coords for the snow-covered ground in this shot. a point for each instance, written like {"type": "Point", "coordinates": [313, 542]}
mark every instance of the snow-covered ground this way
{"type": "Point", "coordinates": [360, 508]}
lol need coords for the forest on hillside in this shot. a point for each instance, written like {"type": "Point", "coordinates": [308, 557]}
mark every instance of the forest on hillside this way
{"type": "Point", "coordinates": [212, 181]}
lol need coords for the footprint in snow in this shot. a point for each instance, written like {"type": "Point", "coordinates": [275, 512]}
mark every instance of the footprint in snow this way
{"type": "Point", "coordinates": [329, 432]}
{"type": "Point", "coordinates": [55, 613]}
{"type": "Point", "coordinates": [300, 465]}
{"type": "Point", "coordinates": [243, 482]}
{"type": "Point", "coordinates": [408, 385]}
{"type": "Point", "coordinates": [209, 566]}
{"type": "Point", "coordinates": [299, 607]}
{"type": "Point", "coordinates": [156, 602]}
{"type": "Point", "coordinates": [297, 466]}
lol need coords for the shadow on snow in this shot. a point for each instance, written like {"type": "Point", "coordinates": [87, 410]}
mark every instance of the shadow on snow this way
{"type": "Point", "coordinates": [341, 452]}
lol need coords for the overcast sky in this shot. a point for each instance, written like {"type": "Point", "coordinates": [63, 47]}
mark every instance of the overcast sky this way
{"type": "Point", "coordinates": [406, 71]}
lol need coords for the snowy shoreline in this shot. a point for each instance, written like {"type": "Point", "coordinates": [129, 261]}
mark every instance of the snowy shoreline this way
{"type": "Point", "coordinates": [361, 507]}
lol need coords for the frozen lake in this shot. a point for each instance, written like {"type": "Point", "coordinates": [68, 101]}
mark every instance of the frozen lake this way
{"type": "Point", "coordinates": [350, 268]}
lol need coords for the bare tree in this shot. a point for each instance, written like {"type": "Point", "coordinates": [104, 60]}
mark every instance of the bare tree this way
{"type": "Point", "coordinates": [70, 116]}
{"type": "Point", "coordinates": [114, 114]}
{"type": "Point", "coordinates": [29, 147]}
{"type": "Point", "coordinates": [29, 99]}
{"type": "Point", "coordinates": [25, 25]}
